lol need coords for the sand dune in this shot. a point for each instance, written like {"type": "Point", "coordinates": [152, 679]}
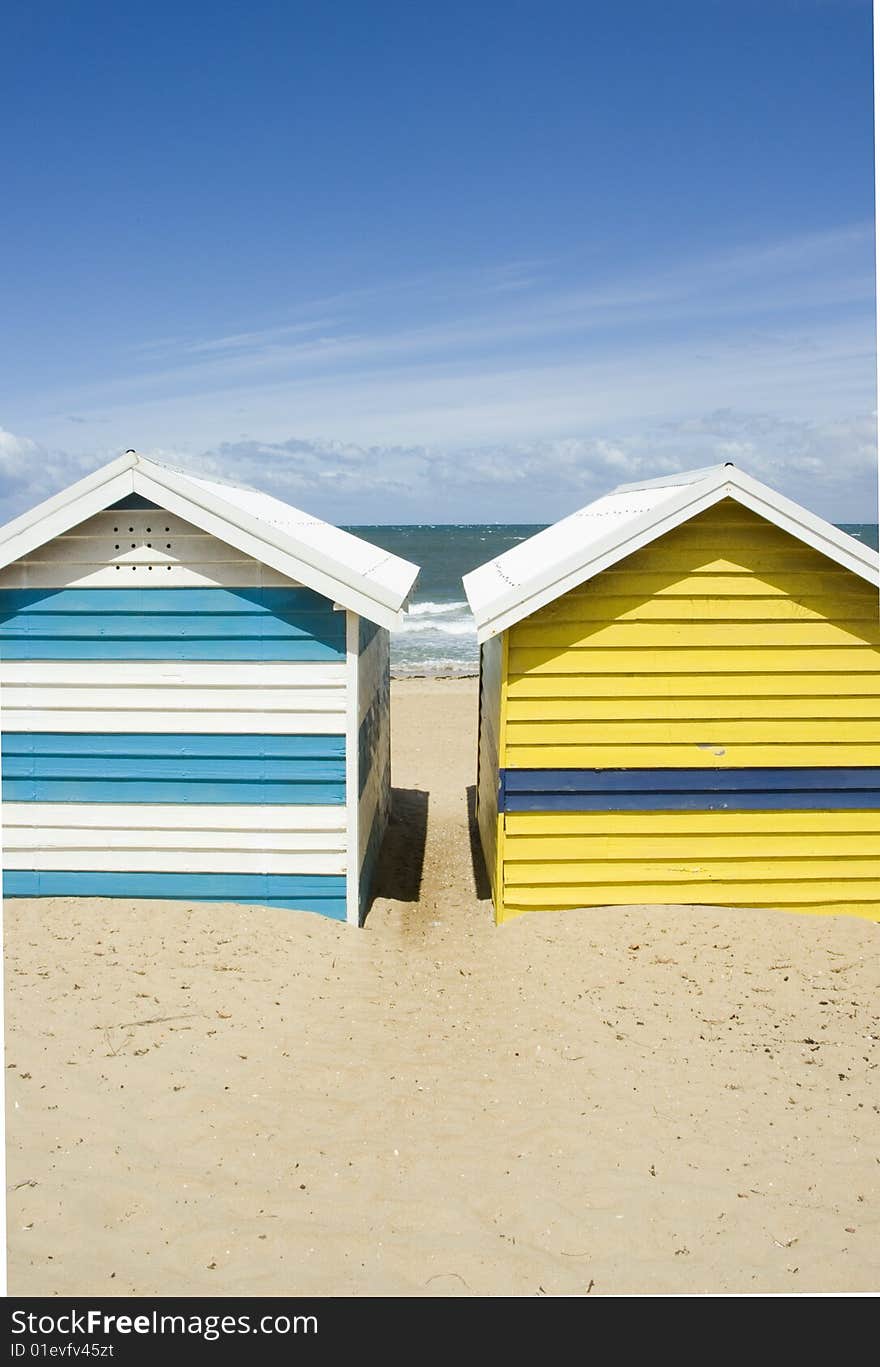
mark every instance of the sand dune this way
{"type": "Point", "coordinates": [212, 1100]}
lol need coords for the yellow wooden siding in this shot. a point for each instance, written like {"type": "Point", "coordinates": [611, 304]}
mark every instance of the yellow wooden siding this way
{"type": "Point", "coordinates": [825, 862]}
{"type": "Point", "coordinates": [726, 643]}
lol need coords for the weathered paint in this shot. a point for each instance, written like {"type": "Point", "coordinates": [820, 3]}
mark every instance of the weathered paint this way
{"type": "Point", "coordinates": [488, 750]}
{"type": "Point", "coordinates": [374, 753]}
{"type": "Point", "coordinates": [725, 673]}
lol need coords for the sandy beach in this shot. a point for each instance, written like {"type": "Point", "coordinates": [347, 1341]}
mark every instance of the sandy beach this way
{"type": "Point", "coordinates": [213, 1100]}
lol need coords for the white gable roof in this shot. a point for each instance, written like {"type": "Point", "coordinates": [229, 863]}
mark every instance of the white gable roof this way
{"type": "Point", "coordinates": [534, 573]}
{"type": "Point", "coordinates": [342, 567]}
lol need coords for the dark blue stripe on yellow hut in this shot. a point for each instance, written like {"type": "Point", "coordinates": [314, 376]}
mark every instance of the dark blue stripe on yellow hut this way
{"type": "Point", "coordinates": [671, 790]}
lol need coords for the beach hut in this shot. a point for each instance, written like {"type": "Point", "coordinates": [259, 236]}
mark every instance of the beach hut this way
{"type": "Point", "coordinates": [195, 695]}
{"type": "Point", "coordinates": [680, 702]}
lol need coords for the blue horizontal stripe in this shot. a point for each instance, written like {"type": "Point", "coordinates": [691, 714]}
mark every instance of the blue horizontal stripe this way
{"type": "Point", "coordinates": [671, 790]}
{"type": "Point", "coordinates": [277, 601]}
{"type": "Point", "coordinates": [295, 892]}
{"type": "Point", "coordinates": [170, 624]}
{"type": "Point", "coordinates": [316, 793]}
{"type": "Point", "coordinates": [168, 744]}
{"type": "Point", "coordinates": [145, 767]}
{"type": "Point", "coordinates": [814, 801]}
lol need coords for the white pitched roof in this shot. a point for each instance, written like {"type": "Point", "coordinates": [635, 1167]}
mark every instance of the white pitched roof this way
{"type": "Point", "coordinates": [534, 573]}
{"type": "Point", "coordinates": [342, 567]}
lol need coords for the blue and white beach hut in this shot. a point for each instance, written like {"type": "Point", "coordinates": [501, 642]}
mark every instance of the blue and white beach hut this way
{"type": "Point", "coordinates": [195, 695]}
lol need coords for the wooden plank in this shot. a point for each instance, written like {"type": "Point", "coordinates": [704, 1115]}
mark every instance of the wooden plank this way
{"type": "Point", "coordinates": [649, 684]}
{"type": "Point", "coordinates": [735, 756]}
{"type": "Point", "coordinates": [321, 893]}
{"type": "Point", "coordinates": [316, 788]}
{"type": "Point", "coordinates": [803, 585]}
{"type": "Point", "coordinates": [658, 661]}
{"type": "Point", "coordinates": [116, 674]}
{"type": "Point", "coordinates": [233, 722]}
{"type": "Point", "coordinates": [762, 892]}
{"type": "Point", "coordinates": [691, 846]}
{"type": "Point", "coordinates": [267, 820]}
{"type": "Point", "coordinates": [798, 869]}
{"type": "Point", "coordinates": [32, 574]}
{"type": "Point", "coordinates": [636, 780]}
{"type": "Point", "coordinates": [868, 910]}
{"type": "Point", "coordinates": [775, 825]}
{"type": "Point", "coordinates": [806, 730]}
{"type": "Point", "coordinates": [681, 610]}
{"type": "Point", "coordinates": [135, 698]}
{"type": "Point", "coordinates": [720, 636]}
{"type": "Point", "coordinates": [247, 754]}
{"type": "Point", "coordinates": [182, 838]}
{"type": "Point", "coordinates": [683, 710]}
{"type": "Point", "coordinates": [185, 861]}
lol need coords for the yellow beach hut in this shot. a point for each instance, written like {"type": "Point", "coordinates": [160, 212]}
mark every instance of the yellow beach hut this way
{"type": "Point", "coordinates": [680, 702]}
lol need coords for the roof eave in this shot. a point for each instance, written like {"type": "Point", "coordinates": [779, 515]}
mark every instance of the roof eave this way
{"type": "Point", "coordinates": [136, 474]}
{"type": "Point", "coordinates": [64, 510]}
{"type": "Point", "coordinates": [513, 606]}
{"type": "Point", "coordinates": [687, 501]}
{"type": "Point", "coordinates": [270, 545]}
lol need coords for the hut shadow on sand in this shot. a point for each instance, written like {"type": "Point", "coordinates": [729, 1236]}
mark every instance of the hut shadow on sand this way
{"type": "Point", "coordinates": [482, 886]}
{"type": "Point", "coordinates": [402, 857]}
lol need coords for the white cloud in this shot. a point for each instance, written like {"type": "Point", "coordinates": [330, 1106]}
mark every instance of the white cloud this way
{"type": "Point", "coordinates": [828, 466]}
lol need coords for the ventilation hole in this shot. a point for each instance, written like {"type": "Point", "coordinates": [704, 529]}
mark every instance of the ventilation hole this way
{"type": "Point", "coordinates": [116, 529]}
{"type": "Point", "coordinates": [149, 567]}
{"type": "Point", "coordinates": [119, 567]}
{"type": "Point", "coordinates": [149, 529]}
{"type": "Point", "coordinates": [116, 547]}
{"type": "Point", "coordinates": [131, 529]}
{"type": "Point", "coordinates": [168, 545]}
{"type": "Point", "coordinates": [168, 529]}
{"type": "Point", "coordinates": [168, 568]}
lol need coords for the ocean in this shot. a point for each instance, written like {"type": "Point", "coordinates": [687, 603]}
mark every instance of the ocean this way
{"type": "Point", "coordinates": [438, 636]}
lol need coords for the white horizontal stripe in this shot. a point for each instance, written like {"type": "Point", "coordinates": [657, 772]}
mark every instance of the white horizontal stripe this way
{"type": "Point", "coordinates": [175, 861]}
{"type": "Point", "coordinates": [197, 721]}
{"type": "Point", "coordinates": [78, 838]}
{"type": "Point", "coordinates": [92, 697]}
{"type": "Point", "coordinates": [244, 574]}
{"type": "Point", "coordinates": [111, 816]}
{"type": "Point", "coordinates": [242, 698]}
{"type": "Point", "coordinates": [114, 674]}
{"type": "Point", "coordinates": [138, 547]}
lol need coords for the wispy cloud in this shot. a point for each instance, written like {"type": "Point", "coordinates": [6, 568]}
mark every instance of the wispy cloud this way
{"type": "Point", "coordinates": [487, 390]}
{"type": "Point", "coordinates": [830, 467]}
{"type": "Point", "coordinates": [812, 294]}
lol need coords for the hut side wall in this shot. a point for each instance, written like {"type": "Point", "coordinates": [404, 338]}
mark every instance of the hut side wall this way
{"type": "Point", "coordinates": [491, 677]}
{"type": "Point", "coordinates": [374, 751]}
{"type": "Point", "coordinates": [699, 724]}
{"type": "Point", "coordinates": [174, 721]}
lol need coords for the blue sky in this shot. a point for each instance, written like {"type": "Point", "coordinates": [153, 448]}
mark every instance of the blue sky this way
{"type": "Point", "coordinates": [403, 262]}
